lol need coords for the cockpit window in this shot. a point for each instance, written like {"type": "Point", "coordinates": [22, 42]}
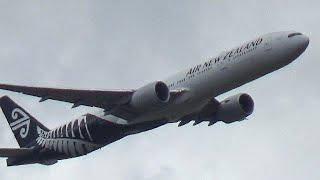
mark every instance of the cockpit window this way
{"type": "Point", "coordinates": [294, 34]}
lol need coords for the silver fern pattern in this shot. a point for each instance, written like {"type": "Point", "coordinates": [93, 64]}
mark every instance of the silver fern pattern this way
{"type": "Point", "coordinates": [72, 139]}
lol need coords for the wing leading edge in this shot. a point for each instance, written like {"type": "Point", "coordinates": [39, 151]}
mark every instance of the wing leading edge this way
{"type": "Point", "coordinates": [105, 99]}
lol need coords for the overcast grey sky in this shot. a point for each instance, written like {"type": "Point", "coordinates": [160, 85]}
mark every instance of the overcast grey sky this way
{"type": "Point", "coordinates": [125, 44]}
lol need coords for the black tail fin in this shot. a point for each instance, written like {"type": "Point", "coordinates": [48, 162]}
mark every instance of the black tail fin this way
{"type": "Point", "coordinates": [24, 127]}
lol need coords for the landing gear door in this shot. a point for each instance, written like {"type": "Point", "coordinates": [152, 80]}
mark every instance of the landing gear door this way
{"type": "Point", "coordinates": [268, 43]}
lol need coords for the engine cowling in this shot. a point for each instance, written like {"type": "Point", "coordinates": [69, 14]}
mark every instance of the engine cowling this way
{"type": "Point", "coordinates": [151, 95]}
{"type": "Point", "coordinates": [235, 108]}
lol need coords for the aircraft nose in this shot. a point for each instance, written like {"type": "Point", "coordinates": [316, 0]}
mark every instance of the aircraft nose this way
{"type": "Point", "coordinates": [300, 42]}
{"type": "Point", "coordinates": [304, 41]}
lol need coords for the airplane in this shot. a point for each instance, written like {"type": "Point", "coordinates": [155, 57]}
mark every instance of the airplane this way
{"type": "Point", "coordinates": [189, 95]}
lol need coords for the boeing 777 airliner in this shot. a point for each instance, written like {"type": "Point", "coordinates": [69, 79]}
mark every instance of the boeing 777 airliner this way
{"type": "Point", "coordinates": [186, 96]}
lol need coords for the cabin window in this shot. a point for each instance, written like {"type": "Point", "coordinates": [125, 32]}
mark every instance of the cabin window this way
{"type": "Point", "coordinates": [294, 34]}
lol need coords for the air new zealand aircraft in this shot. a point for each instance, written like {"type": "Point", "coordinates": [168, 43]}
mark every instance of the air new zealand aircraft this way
{"type": "Point", "coordinates": [186, 96]}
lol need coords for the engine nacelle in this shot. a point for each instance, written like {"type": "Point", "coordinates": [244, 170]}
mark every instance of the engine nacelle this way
{"type": "Point", "coordinates": [150, 95]}
{"type": "Point", "coordinates": [235, 108]}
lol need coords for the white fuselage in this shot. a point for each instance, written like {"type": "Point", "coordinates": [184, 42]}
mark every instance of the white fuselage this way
{"type": "Point", "coordinates": [225, 72]}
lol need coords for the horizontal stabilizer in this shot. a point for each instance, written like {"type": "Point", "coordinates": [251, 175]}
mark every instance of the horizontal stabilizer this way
{"type": "Point", "coordinates": [15, 152]}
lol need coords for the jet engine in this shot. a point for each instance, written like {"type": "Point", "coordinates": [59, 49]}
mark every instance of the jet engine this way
{"type": "Point", "coordinates": [150, 95]}
{"type": "Point", "coordinates": [235, 108]}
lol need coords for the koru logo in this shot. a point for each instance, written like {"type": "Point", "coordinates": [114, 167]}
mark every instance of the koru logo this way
{"type": "Point", "coordinates": [23, 123]}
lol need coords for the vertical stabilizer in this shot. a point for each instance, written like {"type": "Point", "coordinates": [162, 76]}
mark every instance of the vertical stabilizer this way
{"type": "Point", "coordinates": [23, 125]}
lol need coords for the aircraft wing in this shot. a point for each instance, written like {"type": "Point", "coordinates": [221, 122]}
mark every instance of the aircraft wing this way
{"type": "Point", "coordinates": [15, 152]}
{"type": "Point", "coordinates": [207, 113]}
{"type": "Point", "coordinates": [94, 98]}
{"type": "Point", "coordinates": [115, 100]}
